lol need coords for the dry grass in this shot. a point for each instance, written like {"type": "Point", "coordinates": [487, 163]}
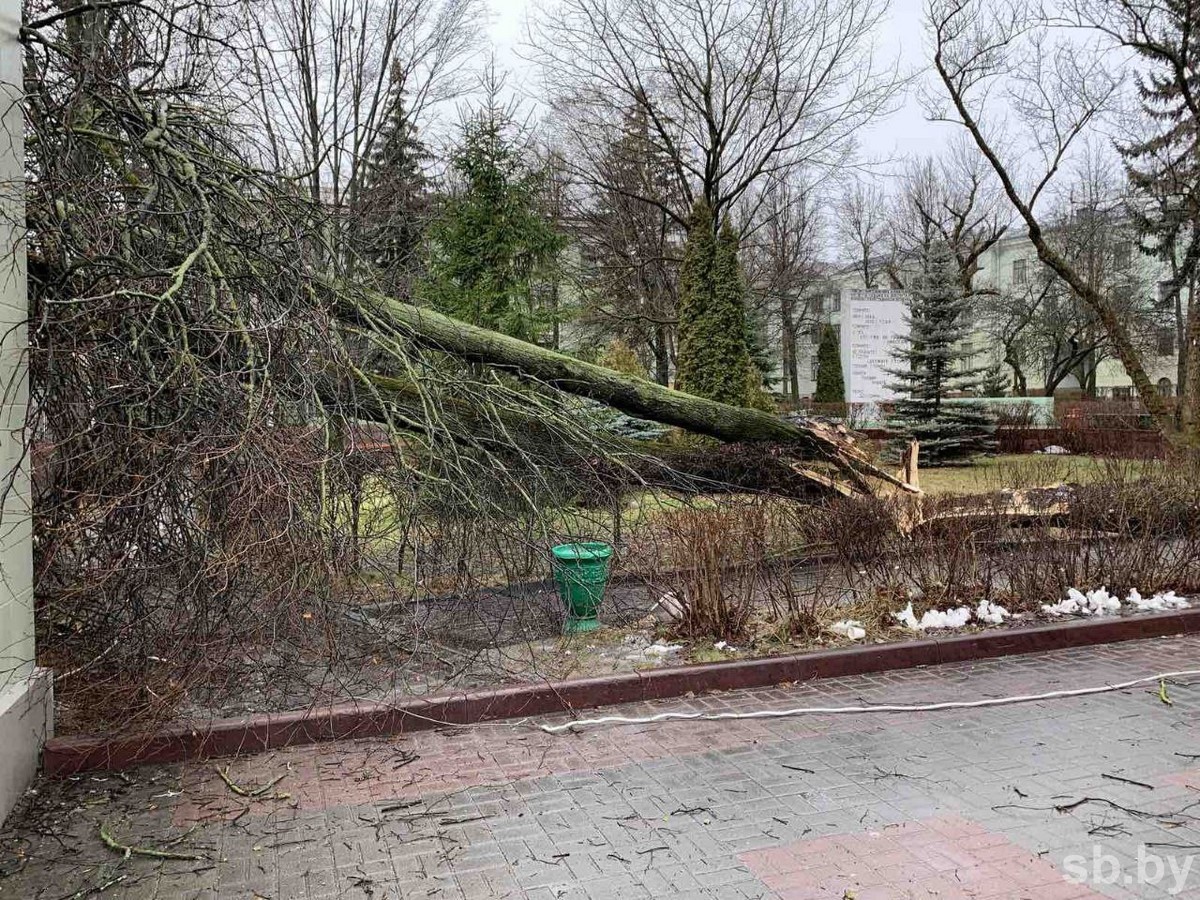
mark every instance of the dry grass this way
{"type": "Point", "coordinates": [1014, 471]}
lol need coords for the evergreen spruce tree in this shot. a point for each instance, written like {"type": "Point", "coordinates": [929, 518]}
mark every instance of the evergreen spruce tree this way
{"type": "Point", "coordinates": [492, 240]}
{"type": "Point", "coordinates": [996, 381]}
{"type": "Point", "coordinates": [761, 359]}
{"type": "Point", "coordinates": [395, 205]}
{"type": "Point", "coordinates": [831, 388]}
{"type": "Point", "coordinates": [933, 366]}
{"type": "Point", "coordinates": [1166, 166]}
{"type": "Point", "coordinates": [713, 359]}
{"type": "Point", "coordinates": [1164, 169]}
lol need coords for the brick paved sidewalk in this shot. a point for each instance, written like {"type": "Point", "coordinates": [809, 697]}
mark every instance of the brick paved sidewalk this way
{"type": "Point", "coordinates": [983, 803]}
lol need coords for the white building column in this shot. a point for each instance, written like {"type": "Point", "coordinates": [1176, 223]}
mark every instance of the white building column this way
{"type": "Point", "coordinates": [26, 707]}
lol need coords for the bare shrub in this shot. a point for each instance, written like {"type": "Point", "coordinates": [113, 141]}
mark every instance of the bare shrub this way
{"type": "Point", "coordinates": [718, 556]}
{"type": "Point", "coordinates": [727, 560]}
{"type": "Point", "coordinates": [1135, 526]}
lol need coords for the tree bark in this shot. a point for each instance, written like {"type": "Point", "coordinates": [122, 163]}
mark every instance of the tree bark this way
{"type": "Point", "coordinates": [1189, 386]}
{"type": "Point", "coordinates": [662, 356]}
{"type": "Point", "coordinates": [634, 396]}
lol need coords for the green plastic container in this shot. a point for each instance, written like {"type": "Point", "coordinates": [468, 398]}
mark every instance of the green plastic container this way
{"type": "Point", "coordinates": [581, 571]}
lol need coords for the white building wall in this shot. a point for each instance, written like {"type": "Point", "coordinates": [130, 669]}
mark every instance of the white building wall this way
{"type": "Point", "coordinates": [25, 694]}
{"type": "Point", "coordinates": [999, 268]}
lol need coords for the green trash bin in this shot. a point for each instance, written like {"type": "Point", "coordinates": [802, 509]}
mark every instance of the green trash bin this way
{"type": "Point", "coordinates": [581, 571]}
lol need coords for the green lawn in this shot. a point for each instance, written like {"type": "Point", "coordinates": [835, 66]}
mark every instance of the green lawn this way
{"type": "Point", "coordinates": [1021, 471]}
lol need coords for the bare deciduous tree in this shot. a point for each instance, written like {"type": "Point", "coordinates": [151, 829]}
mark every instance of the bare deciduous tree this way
{"type": "Point", "coordinates": [633, 246]}
{"type": "Point", "coordinates": [862, 226]}
{"type": "Point", "coordinates": [1043, 324]}
{"type": "Point", "coordinates": [733, 91]}
{"type": "Point", "coordinates": [324, 76]}
{"type": "Point", "coordinates": [1056, 87]}
{"type": "Point", "coordinates": [784, 269]}
{"type": "Point", "coordinates": [1159, 146]}
{"type": "Point", "coordinates": [953, 198]}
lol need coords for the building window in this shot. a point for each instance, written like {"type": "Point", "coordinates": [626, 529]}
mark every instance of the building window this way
{"type": "Point", "coordinates": [1122, 393]}
{"type": "Point", "coordinates": [967, 363]}
{"type": "Point", "coordinates": [1165, 389]}
{"type": "Point", "coordinates": [1122, 255]}
{"type": "Point", "coordinates": [1020, 271]}
{"type": "Point", "coordinates": [1166, 342]}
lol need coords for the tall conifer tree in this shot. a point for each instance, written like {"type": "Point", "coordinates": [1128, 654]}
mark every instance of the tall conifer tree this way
{"type": "Point", "coordinates": [713, 359]}
{"type": "Point", "coordinates": [492, 240]}
{"type": "Point", "coordinates": [395, 205]}
{"type": "Point", "coordinates": [934, 366]}
{"type": "Point", "coordinates": [831, 387]}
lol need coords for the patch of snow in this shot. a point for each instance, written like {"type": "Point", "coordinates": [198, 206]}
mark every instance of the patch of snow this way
{"type": "Point", "coordinates": [1055, 450]}
{"type": "Point", "coordinates": [1160, 602]}
{"type": "Point", "coordinates": [726, 646]}
{"type": "Point", "coordinates": [849, 628]}
{"type": "Point", "coordinates": [934, 618]}
{"type": "Point", "coordinates": [950, 618]}
{"type": "Point", "coordinates": [668, 607]}
{"type": "Point", "coordinates": [662, 648]}
{"type": "Point", "coordinates": [990, 613]}
{"type": "Point", "coordinates": [1098, 602]}
{"type": "Point", "coordinates": [906, 618]}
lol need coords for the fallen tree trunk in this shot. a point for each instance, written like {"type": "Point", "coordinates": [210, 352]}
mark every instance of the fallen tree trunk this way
{"type": "Point", "coordinates": [631, 395]}
{"type": "Point", "coordinates": [750, 466]}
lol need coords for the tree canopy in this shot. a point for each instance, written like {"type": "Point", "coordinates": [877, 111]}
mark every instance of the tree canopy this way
{"type": "Point", "coordinates": [492, 240]}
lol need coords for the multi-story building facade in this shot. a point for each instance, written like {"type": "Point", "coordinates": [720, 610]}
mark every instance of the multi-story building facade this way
{"type": "Point", "coordinates": [1010, 277]}
{"type": "Point", "coordinates": [1012, 270]}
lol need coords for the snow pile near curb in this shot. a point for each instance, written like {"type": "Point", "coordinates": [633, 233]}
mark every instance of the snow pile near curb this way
{"type": "Point", "coordinates": [991, 613]}
{"type": "Point", "coordinates": [986, 612]}
{"type": "Point", "coordinates": [934, 618]}
{"type": "Point", "coordinates": [850, 628]}
{"type": "Point", "coordinates": [1100, 602]}
{"type": "Point", "coordinates": [1094, 603]}
{"type": "Point", "coordinates": [1160, 602]}
{"type": "Point", "coordinates": [1097, 602]}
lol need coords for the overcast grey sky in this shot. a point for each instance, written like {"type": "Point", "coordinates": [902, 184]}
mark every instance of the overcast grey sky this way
{"type": "Point", "coordinates": [901, 36]}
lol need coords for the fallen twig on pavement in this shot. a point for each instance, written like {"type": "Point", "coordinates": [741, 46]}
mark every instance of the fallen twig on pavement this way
{"type": "Point", "coordinates": [130, 850]}
{"type": "Point", "coordinates": [1140, 784]}
{"type": "Point", "coordinates": [254, 793]}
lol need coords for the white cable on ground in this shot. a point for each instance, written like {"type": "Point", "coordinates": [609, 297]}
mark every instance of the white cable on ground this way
{"type": "Point", "coordinates": [829, 710]}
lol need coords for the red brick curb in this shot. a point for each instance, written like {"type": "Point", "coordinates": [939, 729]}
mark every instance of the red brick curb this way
{"type": "Point", "coordinates": [256, 733]}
